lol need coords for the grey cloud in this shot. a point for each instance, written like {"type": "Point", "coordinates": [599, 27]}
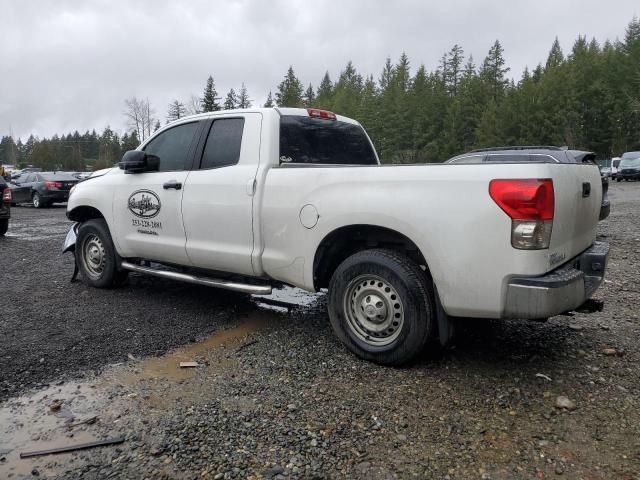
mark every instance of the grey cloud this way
{"type": "Point", "coordinates": [67, 65]}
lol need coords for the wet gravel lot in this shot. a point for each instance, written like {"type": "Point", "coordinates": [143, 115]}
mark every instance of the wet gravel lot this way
{"type": "Point", "coordinates": [276, 396]}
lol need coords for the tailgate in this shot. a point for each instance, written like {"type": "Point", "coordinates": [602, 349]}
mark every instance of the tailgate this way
{"type": "Point", "coordinates": [578, 198]}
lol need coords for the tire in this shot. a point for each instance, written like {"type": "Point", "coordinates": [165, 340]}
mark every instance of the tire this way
{"type": "Point", "coordinates": [618, 180]}
{"type": "Point", "coordinates": [398, 297]}
{"type": "Point", "coordinates": [96, 256]}
{"type": "Point", "coordinates": [4, 226]}
{"type": "Point", "coordinates": [37, 201]}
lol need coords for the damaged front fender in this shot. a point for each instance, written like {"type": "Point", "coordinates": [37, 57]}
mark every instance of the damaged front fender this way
{"type": "Point", "coordinates": [70, 240]}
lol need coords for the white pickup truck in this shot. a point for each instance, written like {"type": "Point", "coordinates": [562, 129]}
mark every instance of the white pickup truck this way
{"type": "Point", "coordinates": [247, 199]}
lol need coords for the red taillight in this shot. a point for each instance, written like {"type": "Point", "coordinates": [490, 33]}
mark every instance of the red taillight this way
{"type": "Point", "coordinates": [524, 199]}
{"type": "Point", "coordinates": [50, 184]}
{"type": "Point", "coordinates": [317, 113]}
{"type": "Point", "coordinates": [6, 195]}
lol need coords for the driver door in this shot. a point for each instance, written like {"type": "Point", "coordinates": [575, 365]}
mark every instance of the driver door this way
{"type": "Point", "coordinates": [147, 207]}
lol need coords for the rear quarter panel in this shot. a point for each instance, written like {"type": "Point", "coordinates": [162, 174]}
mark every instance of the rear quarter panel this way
{"type": "Point", "coordinates": [445, 209]}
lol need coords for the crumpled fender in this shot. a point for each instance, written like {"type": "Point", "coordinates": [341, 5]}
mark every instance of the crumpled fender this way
{"type": "Point", "coordinates": [70, 240]}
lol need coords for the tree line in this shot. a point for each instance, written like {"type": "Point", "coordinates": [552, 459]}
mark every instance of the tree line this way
{"type": "Point", "coordinates": [585, 98]}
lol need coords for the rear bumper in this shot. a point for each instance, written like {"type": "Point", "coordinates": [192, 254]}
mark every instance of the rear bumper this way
{"type": "Point", "coordinates": [5, 211]}
{"type": "Point", "coordinates": [559, 291]}
{"type": "Point", "coordinates": [54, 196]}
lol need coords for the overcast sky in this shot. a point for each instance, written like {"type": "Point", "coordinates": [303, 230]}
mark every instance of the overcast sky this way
{"type": "Point", "coordinates": [67, 65]}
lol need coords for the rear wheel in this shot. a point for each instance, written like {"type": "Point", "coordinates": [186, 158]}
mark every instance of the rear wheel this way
{"type": "Point", "coordinates": [4, 226]}
{"type": "Point", "coordinates": [37, 201]}
{"type": "Point", "coordinates": [96, 256]}
{"type": "Point", "coordinates": [381, 306]}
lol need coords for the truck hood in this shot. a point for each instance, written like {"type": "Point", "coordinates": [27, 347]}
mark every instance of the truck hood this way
{"type": "Point", "coordinates": [99, 173]}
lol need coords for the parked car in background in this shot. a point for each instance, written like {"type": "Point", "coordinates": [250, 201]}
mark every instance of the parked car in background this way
{"type": "Point", "coordinates": [536, 154]}
{"type": "Point", "coordinates": [629, 169]}
{"type": "Point", "coordinates": [5, 206]}
{"type": "Point", "coordinates": [605, 171]}
{"type": "Point", "coordinates": [42, 188]}
{"type": "Point", "coordinates": [615, 163]}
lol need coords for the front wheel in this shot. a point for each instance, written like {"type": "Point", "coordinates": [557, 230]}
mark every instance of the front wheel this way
{"type": "Point", "coordinates": [96, 256]}
{"type": "Point", "coordinates": [381, 306]}
{"type": "Point", "coordinates": [4, 226]}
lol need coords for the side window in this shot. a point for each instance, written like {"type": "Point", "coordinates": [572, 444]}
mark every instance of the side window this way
{"type": "Point", "coordinates": [223, 143]}
{"type": "Point", "coordinates": [468, 159]}
{"type": "Point", "coordinates": [30, 178]}
{"type": "Point", "coordinates": [172, 146]}
{"type": "Point", "coordinates": [508, 158]}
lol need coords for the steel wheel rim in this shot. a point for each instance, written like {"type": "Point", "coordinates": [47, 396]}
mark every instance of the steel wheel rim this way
{"type": "Point", "coordinates": [373, 310]}
{"type": "Point", "coordinates": [93, 256]}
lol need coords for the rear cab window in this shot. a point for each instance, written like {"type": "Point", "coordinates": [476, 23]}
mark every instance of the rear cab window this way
{"type": "Point", "coordinates": [317, 141]}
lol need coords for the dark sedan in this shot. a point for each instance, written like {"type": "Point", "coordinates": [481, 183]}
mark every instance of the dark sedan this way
{"type": "Point", "coordinates": [629, 169]}
{"type": "Point", "coordinates": [5, 209]}
{"type": "Point", "coordinates": [42, 188]}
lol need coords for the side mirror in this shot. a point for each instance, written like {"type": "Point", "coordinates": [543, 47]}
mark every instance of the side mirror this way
{"type": "Point", "coordinates": [137, 161]}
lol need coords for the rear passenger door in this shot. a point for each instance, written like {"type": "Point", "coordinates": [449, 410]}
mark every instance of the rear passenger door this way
{"type": "Point", "coordinates": [217, 203]}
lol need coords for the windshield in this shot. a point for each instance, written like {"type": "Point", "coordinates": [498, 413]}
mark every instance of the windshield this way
{"type": "Point", "coordinates": [627, 163]}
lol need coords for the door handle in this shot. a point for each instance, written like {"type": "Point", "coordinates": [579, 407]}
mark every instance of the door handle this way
{"type": "Point", "coordinates": [586, 189]}
{"type": "Point", "coordinates": [172, 184]}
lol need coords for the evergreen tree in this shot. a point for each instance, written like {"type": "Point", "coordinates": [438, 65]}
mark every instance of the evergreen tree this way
{"type": "Point", "coordinates": [556, 57]}
{"type": "Point", "coordinates": [309, 97]}
{"type": "Point", "coordinates": [129, 142]}
{"type": "Point", "coordinates": [231, 100]}
{"type": "Point", "coordinates": [325, 93]}
{"type": "Point", "coordinates": [210, 97]}
{"type": "Point", "coordinates": [175, 111]}
{"type": "Point", "coordinates": [368, 113]}
{"type": "Point", "coordinates": [269, 103]}
{"type": "Point", "coordinates": [347, 92]}
{"type": "Point", "coordinates": [243, 98]}
{"type": "Point", "coordinates": [493, 70]}
{"type": "Point", "coordinates": [455, 59]}
{"type": "Point", "coordinates": [290, 90]}
{"type": "Point", "coordinates": [156, 126]}
{"type": "Point", "coordinates": [8, 150]}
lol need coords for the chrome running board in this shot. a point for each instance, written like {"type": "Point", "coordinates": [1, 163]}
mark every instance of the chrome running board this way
{"type": "Point", "coordinates": [209, 282]}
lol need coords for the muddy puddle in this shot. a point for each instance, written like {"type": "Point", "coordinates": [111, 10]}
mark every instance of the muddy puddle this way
{"type": "Point", "coordinates": [34, 422]}
{"type": "Point", "coordinates": [126, 395]}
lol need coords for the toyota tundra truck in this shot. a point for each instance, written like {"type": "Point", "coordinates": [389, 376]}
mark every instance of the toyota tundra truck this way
{"type": "Point", "coordinates": [248, 199]}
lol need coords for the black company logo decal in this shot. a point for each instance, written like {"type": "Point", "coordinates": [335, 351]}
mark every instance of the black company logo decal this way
{"type": "Point", "coordinates": [144, 204]}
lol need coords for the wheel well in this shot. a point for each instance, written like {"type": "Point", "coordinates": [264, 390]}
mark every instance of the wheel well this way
{"type": "Point", "coordinates": [345, 241]}
{"type": "Point", "coordinates": [84, 213]}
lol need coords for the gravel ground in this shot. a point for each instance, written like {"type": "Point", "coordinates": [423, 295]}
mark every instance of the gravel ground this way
{"type": "Point", "coordinates": [276, 396]}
